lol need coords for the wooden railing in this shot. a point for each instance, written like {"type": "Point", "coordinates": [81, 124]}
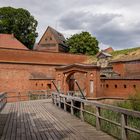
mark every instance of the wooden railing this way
{"type": "Point", "coordinates": [39, 94]}
{"type": "Point", "coordinates": [59, 99]}
{"type": "Point", "coordinates": [3, 100]}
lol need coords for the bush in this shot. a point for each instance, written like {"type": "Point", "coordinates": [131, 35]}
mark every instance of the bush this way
{"type": "Point", "coordinates": [133, 102]}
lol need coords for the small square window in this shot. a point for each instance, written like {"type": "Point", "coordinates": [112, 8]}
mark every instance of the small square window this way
{"type": "Point", "coordinates": [107, 85]}
{"type": "Point", "coordinates": [124, 86]}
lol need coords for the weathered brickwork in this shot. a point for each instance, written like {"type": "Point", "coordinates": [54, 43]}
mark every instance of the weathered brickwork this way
{"type": "Point", "coordinates": [35, 57]}
{"type": "Point", "coordinates": [119, 87]}
{"type": "Point", "coordinates": [21, 70]}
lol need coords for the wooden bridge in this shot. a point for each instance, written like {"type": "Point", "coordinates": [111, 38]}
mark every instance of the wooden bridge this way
{"type": "Point", "coordinates": [45, 120]}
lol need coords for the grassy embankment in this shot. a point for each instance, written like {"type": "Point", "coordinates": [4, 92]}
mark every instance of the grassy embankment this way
{"type": "Point", "coordinates": [133, 103]}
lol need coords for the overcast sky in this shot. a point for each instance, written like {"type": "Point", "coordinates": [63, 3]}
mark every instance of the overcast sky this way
{"type": "Point", "coordinates": [114, 23]}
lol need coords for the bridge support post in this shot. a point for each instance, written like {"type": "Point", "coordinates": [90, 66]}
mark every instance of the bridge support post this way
{"type": "Point", "coordinates": [98, 124]}
{"type": "Point", "coordinates": [72, 112]}
{"type": "Point", "coordinates": [81, 111]}
{"type": "Point", "coordinates": [123, 129]}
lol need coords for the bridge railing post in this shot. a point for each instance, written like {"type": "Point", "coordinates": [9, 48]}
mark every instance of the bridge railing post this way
{"type": "Point", "coordinates": [123, 124]}
{"type": "Point", "coordinates": [59, 101]}
{"type": "Point", "coordinates": [55, 100]}
{"type": "Point", "coordinates": [64, 100]}
{"type": "Point", "coordinates": [72, 111]}
{"type": "Point", "coordinates": [81, 111]}
{"type": "Point", "coordinates": [98, 123]}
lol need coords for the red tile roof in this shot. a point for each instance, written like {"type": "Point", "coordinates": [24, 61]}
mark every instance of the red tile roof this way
{"type": "Point", "coordinates": [108, 50]}
{"type": "Point", "coordinates": [9, 41]}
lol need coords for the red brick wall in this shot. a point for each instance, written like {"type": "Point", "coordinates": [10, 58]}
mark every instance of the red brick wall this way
{"type": "Point", "coordinates": [15, 73]}
{"type": "Point", "coordinates": [23, 56]}
{"type": "Point", "coordinates": [127, 68]}
{"type": "Point", "coordinates": [108, 89]}
{"type": "Point", "coordinates": [119, 68]}
{"type": "Point", "coordinates": [15, 78]}
{"type": "Point", "coordinates": [132, 68]}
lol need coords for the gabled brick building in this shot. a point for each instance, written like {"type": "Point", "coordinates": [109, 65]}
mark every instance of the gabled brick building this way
{"type": "Point", "coordinates": [52, 41]}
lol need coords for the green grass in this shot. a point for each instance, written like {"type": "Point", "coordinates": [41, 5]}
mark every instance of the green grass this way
{"type": "Point", "coordinates": [133, 103]}
{"type": "Point", "coordinates": [110, 128]}
{"type": "Point", "coordinates": [125, 51]}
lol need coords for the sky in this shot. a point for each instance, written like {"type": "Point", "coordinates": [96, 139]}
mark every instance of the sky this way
{"type": "Point", "coordinates": [115, 23]}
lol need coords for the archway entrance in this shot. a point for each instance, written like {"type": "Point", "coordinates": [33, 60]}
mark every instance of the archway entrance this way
{"type": "Point", "coordinates": [77, 78]}
{"type": "Point", "coordinates": [76, 83]}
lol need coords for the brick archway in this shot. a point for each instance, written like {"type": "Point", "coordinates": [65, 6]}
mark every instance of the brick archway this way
{"type": "Point", "coordinates": [88, 77]}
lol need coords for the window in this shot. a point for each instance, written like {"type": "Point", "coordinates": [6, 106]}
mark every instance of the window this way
{"type": "Point", "coordinates": [124, 86]}
{"type": "Point", "coordinates": [50, 38]}
{"type": "Point", "coordinates": [107, 85]}
{"type": "Point", "coordinates": [115, 86]}
{"type": "Point", "coordinates": [134, 86]}
{"type": "Point", "coordinates": [48, 86]}
{"type": "Point", "coordinates": [46, 39]}
{"type": "Point", "coordinates": [36, 84]}
{"type": "Point", "coordinates": [91, 87]}
{"type": "Point", "coordinates": [42, 84]}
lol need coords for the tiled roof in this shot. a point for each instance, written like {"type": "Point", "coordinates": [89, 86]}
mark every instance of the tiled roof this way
{"type": "Point", "coordinates": [109, 50]}
{"type": "Point", "coordinates": [104, 54]}
{"type": "Point", "coordinates": [9, 41]}
{"type": "Point", "coordinates": [59, 37]}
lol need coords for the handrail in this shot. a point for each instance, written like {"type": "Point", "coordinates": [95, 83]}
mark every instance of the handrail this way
{"type": "Point", "coordinates": [3, 100]}
{"type": "Point", "coordinates": [60, 98]}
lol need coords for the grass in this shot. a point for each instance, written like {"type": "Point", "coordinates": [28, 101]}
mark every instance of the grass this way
{"type": "Point", "coordinates": [125, 51]}
{"type": "Point", "coordinates": [133, 103]}
{"type": "Point", "coordinates": [110, 128]}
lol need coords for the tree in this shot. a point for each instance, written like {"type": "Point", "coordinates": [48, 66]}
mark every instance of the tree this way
{"type": "Point", "coordinates": [83, 43]}
{"type": "Point", "coordinates": [19, 22]}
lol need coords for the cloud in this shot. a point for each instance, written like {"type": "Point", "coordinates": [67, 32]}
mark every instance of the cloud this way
{"type": "Point", "coordinates": [81, 20]}
{"type": "Point", "coordinates": [114, 22]}
{"type": "Point", "coordinates": [109, 28]}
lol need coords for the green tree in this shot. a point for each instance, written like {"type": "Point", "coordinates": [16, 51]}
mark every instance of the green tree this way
{"type": "Point", "coordinates": [83, 43]}
{"type": "Point", "coordinates": [19, 22]}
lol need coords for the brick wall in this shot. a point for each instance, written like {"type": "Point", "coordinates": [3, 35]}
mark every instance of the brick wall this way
{"type": "Point", "coordinates": [119, 68]}
{"type": "Point", "coordinates": [119, 88]}
{"type": "Point", "coordinates": [15, 78]}
{"type": "Point", "coordinates": [35, 57]}
{"type": "Point", "coordinates": [127, 68]}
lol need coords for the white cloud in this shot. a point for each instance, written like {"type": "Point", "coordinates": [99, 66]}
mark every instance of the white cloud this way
{"type": "Point", "coordinates": [114, 22]}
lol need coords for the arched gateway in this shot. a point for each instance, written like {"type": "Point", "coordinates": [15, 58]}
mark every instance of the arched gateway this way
{"type": "Point", "coordinates": [86, 76]}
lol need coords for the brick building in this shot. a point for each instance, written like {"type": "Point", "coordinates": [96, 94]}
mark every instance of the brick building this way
{"type": "Point", "coordinates": [52, 41]}
{"type": "Point", "coordinates": [22, 70]}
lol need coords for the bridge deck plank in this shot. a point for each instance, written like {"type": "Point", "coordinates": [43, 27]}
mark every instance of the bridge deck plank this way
{"type": "Point", "coordinates": [41, 120]}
